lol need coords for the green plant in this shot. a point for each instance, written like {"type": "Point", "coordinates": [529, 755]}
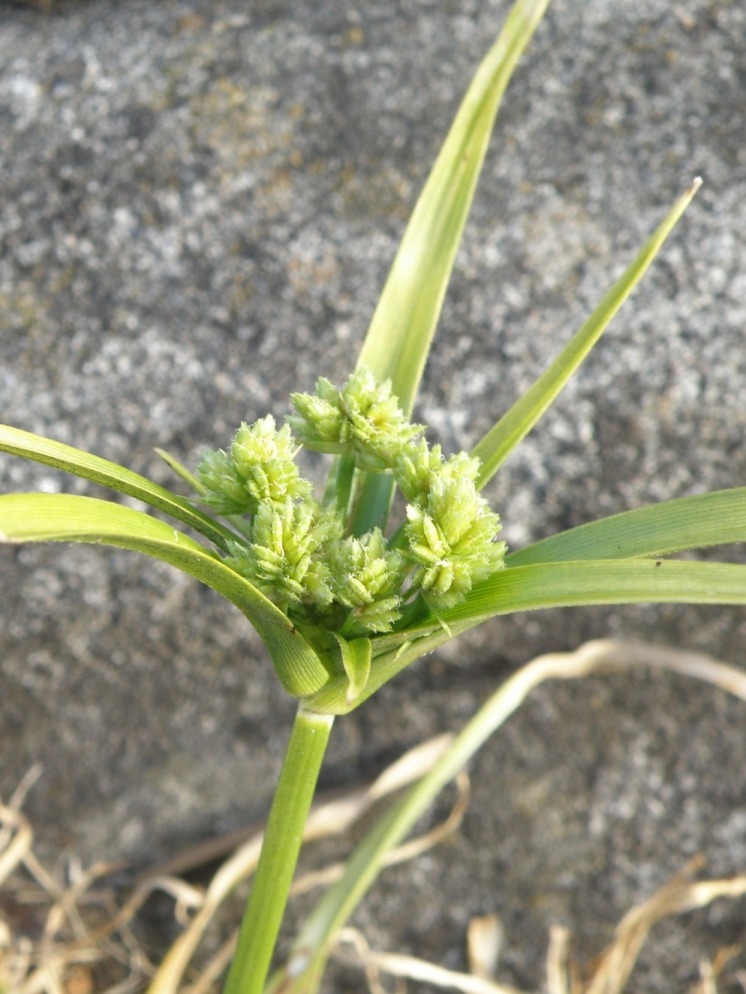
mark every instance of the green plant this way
{"type": "Point", "coordinates": [343, 600]}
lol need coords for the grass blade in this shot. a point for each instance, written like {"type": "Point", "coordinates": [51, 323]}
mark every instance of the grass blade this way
{"type": "Point", "coordinates": [110, 474]}
{"type": "Point", "coordinates": [401, 331]}
{"type": "Point", "coordinates": [181, 470]}
{"type": "Point", "coordinates": [403, 325]}
{"type": "Point", "coordinates": [717, 518]}
{"type": "Point", "coordinates": [500, 441]}
{"type": "Point", "coordinates": [605, 581]}
{"type": "Point", "coordinates": [70, 518]}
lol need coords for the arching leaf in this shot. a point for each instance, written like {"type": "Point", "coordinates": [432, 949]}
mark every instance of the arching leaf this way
{"type": "Point", "coordinates": [110, 474]}
{"type": "Point", "coordinates": [717, 518]}
{"type": "Point", "coordinates": [70, 518]}
{"type": "Point", "coordinates": [500, 441]}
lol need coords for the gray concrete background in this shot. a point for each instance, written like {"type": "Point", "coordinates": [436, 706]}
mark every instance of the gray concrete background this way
{"type": "Point", "coordinates": [200, 201]}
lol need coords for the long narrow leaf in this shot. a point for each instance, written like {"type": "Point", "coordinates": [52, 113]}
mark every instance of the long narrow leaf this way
{"type": "Point", "coordinates": [545, 585]}
{"type": "Point", "coordinates": [109, 474]}
{"type": "Point", "coordinates": [403, 325]}
{"type": "Point", "coordinates": [500, 441]}
{"type": "Point", "coordinates": [717, 518]}
{"type": "Point", "coordinates": [606, 581]}
{"type": "Point", "coordinates": [69, 518]}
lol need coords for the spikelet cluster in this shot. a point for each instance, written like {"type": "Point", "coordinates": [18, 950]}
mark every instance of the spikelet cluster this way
{"type": "Point", "coordinates": [363, 419]}
{"type": "Point", "coordinates": [297, 550]}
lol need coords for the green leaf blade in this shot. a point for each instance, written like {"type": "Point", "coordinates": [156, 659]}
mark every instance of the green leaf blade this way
{"type": "Point", "coordinates": [494, 448]}
{"type": "Point", "coordinates": [608, 581]}
{"type": "Point", "coordinates": [83, 464]}
{"type": "Point", "coordinates": [70, 518]}
{"type": "Point", "coordinates": [717, 518]}
{"type": "Point", "coordinates": [403, 324]}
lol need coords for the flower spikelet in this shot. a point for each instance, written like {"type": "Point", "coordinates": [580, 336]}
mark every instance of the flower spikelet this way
{"type": "Point", "coordinates": [366, 576]}
{"type": "Point", "coordinates": [418, 465]}
{"type": "Point", "coordinates": [363, 418]}
{"type": "Point", "coordinates": [223, 488]}
{"type": "Point", "coordinates": [451, 539]}
{"type": "Point", "coordinates": [258, 468]}
{"type": "Point", "coordinates": [282, 557]}
{"type": "Point", "coordinates": [264, 460]}
{"type": "Point", "coordinates": [319, 422]}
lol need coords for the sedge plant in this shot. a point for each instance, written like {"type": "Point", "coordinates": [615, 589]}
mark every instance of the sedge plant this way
{"type": "Point", "coordinates": [343, 593]}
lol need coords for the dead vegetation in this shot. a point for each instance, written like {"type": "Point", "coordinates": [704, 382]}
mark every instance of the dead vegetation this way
{"type": "Point", "coordinates": [70, 931]}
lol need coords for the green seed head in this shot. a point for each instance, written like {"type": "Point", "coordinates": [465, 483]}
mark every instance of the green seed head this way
{"type": "Point", "coordinates": [282, 558]}
{"type": "Point", "coordinates": [366, 577]}
{"type": "Point", "coordinates": [363, 418]}
{"type": "Point", "coordinates": [224, 490]}
{"type": "Point", "coordinates": [452, 539]}
{"type": "Point", "coordinates": [258, 468]}
{"type": "Point", "coordinates": [264, 460]}
{"type": "Point", "coordinates": [297, 551]}
{"type": "Point", "coordinates": [417, 466]}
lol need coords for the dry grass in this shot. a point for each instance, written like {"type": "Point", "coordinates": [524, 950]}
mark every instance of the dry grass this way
{"type": "Point", "coordinates": [68, 931]}
{"type": "Point", "coordinates": [54, 926]}
{"type": "Point", "coordinates": [609, 974]}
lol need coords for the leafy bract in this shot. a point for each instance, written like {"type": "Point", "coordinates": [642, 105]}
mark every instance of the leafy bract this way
{"type": "Point", "coordinates": [110, 474]}
{"type": "Point", "coordinates": [70, 518]}
{"type": "Point", "coordinates": [717, 518]}
{"type": "Point", "coordinates": [605, 581]}
{"type": "Point", "coordinates": [404, 321]}
{"type": "Point", "coordinates": [538, 586]}
{"type": "Point", "coordinates": [500, 441]}
{"type": "Point", "coordinates": [178, 467]}
{"type": "Point", "coordinates": [356, 659]}
{"type": "Point", "coordinates": [403, 325]}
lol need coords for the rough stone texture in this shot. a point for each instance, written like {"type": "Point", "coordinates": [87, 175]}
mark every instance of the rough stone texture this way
{"type": "Point", "coordinates": [200, 201]}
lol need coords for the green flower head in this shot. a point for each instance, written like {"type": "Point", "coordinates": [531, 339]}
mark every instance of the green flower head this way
{"type": "Point", "coordinates": [363, 418]}
{"type": "Point", "coordinates": [223, 488]}
{"type": "Point", "coordinates": [366, 577]}
{"type": "Point", "coordinates": [264, 460]}
{"type": "Point", "coordinates": [259, 468]}
{"type": "Point", "coordinates": [452, 540]}
{"type": "Point", "coordinates": [282, 558]}
{"type": "Point", "coordinates": [418, 466]}
{"type": "Point", "coordinates": [302, 555]}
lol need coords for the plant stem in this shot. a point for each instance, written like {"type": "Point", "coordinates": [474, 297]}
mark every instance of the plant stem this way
{"type": "Point", "coordinates": [339, 484]}
{"type": "Point", "coordinates": [279, 855]}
